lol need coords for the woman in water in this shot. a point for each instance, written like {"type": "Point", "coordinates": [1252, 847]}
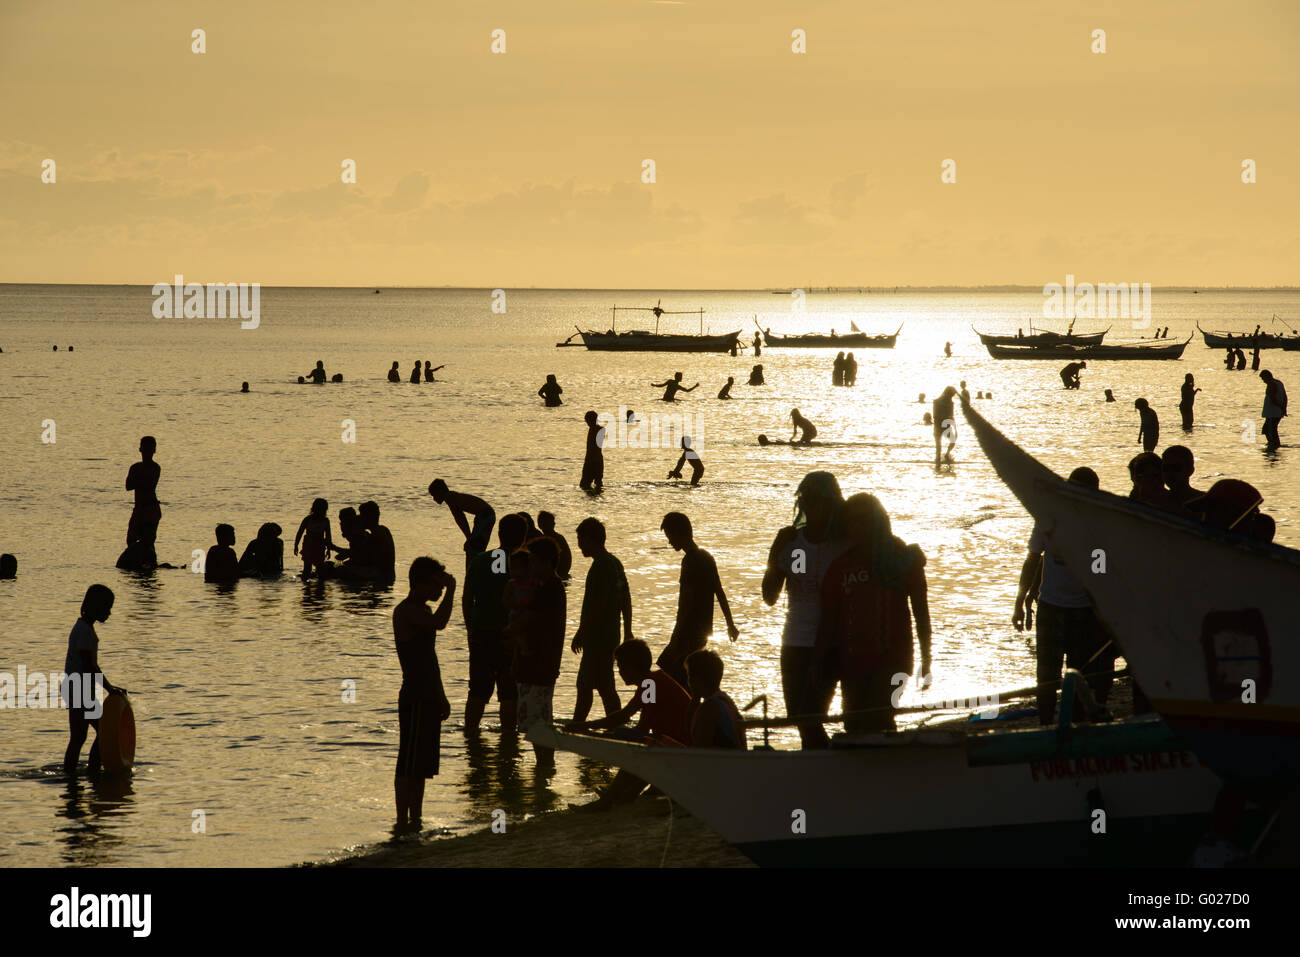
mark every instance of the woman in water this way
{"type": "Point", "coordinates": [550, 392]}
{"type": "Point", "coordinates": [805, 429]}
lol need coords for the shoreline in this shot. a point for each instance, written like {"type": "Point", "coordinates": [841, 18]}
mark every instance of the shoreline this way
{"type": "Point", "coordinates": [650, 832]}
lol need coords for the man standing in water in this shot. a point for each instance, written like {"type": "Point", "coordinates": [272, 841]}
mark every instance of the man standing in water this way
{"type": "Point", "coordinates": [142, 478]}
{"type": "Point", "coordinates": [797, 562]}
{"type": "Point", "coordinates": [485, 622]}
{"type": "Point", "coordinates": [593, 466]}
{"type": "Point", "coordinates": [945, 424]}
{"type": "Point", "coordinates": [673, 386]}
{"type": "Point", "coordinates": [699, 586]}
{"type": "Point", "coordinates": [422, 703]}
{"type": "Point", "coordinates": [1187, 401]}
{"type": "Point", "coordinates": [606, 597]}
{"type": "Point", "coordinates": [1149, 429]}
{"type": "Point", "coordinates": [460, 503]}
{"type": "Point", "coordinates": [1274, 407]}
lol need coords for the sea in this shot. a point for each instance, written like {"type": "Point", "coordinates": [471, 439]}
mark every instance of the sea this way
{"type": "Point", "coordinates": [266, 713]}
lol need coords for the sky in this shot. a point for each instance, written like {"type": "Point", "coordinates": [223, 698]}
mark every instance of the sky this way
{"type": "Point", "coordinates": [771, 168]}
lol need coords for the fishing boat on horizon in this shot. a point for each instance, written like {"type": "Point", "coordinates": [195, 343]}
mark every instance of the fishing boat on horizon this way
{"type": "Point", "coordinates": [857, 339]}
{"type": "Point", "coordinates": [1210, 634]}
{"type": "Point", "coordinates": [643, 340]}
{"type": "Point", "coordinates": [1141, 349]}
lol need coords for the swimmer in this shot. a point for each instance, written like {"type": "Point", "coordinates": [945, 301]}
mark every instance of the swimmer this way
{"type": "Point", "coordinates": [394, 374]}
{"type": "Point", "coordinates": [756, 375]}
{"type": "Point", "coordinates": [314, 534]}
{"type": "Point", "coordinates": [725, 391]}
{"type": "Point", "coordinates": [337, 377]}
{"type": "Point", "coordinates": [317, 375]}
{"type": "Point", "coordinates": [244, 387]}
{"type": "Point", "coordinates": [550, 392]}
{"type": "Point", "coordinates": [8, 566]}
{"type": "Point", "coordinates": [301, 380]}
{"type": "Point", "coordinates": [415, 373]}
{"type": "Point", "coordinates": [430, 369]}
{"type": "Point", "coordinates": [688, 455]}
{"type": "Point", "coordinates": [806, 430]}
{"type": "Point", "coordinates": [220, 565]}
{"type": "Point", "coordinates": [965, 392]}
{"type": "Point", "coordinates": [921, 397]}
{"type": "Point", "coordinates": [1110, 396]}
{"type": "Point", "coordinates": [673, 386]}
{"type": "Point", "coordinates": [927, 419]}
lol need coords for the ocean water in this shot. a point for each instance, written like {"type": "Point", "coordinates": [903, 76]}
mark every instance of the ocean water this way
{"type": "Point", "coordinates": [238, 693]}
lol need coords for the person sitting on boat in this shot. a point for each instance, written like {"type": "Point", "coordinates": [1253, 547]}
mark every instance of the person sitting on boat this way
{"type": "Point", "coordinates": [673, 386]}
{"type": "Point", "coordinates": [550, 392]}
{"type": "Point", "coordinates": [756, 375]}
{"type": "Point", "coordinates": [715, 719]}
{"type": "Point", "coordinates": [864, 637]}
{"type": "Point", "coordinates": [805, 429]}
{"type": "Point", "coordinates": [688, 455]}
{"type": "Point", "coordinates": [394, 374]}
{"type": "Point", "coordinates": [1070, 374]}
{"type": "Point", "coordinates": [796, 563]}
{"type": "Point", "coordinates": [1067, 631]}
{"type": "Point", "coordinates": [725, 391]}
{"type": "Point", "coordinates": [1177, 465]}
{"type": "Point", "coordinates": [1148, 476]}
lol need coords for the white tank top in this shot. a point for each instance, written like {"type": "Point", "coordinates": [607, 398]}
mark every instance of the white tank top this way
{"type": "Point", "coordinates": [803, 587]}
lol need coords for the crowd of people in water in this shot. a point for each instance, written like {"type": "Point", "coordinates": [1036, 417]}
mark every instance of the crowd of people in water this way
{"type": "Point", "coordinates": [857, 607]}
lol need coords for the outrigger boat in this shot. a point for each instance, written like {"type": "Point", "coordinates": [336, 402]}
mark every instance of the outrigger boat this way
{"type": "Point", "coordinates": [1251, 340]}
{"type": "Point", "coordinates": [1148, 349]}
{"type": "Point", "coordinates": [941, 798]}
{"type": "Point", "coordinates": [1211, 632]}
{"type": "Point", "coordinates": [857, 339]}
{"type": "Point", "coordinates": [639, 340]}
{"type": "Point", "coordinates": [1043, 338]}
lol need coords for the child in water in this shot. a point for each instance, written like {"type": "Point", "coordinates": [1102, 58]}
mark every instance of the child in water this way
{"type": "Point", "coordinates": [314, 533]}
{"type": "Point", "coordinates": [688, 454]}
{"type": "Point", "coordinates": [221, 565]}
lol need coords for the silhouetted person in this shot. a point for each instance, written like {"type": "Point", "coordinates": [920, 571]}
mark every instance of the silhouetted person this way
{"type": "Point", "coordinates": [965, 392]}
{"type": "Point", "coordinates": [337, 377]}
{"type": "Point", "coordinates": [244, 387]}
{"type": "Point", "coordinates": [1241, 360]}
{"type": "Point", "coordinates": [8, 566]}
{"type": "Point", "coordinates": [318, 374]}
{"type": "Point", "coordinates": [605, 598]}
{"type": "Point", "coordinates": [1233, 505]}
{"type": "Point", "coordinates": [1070, 374]}
{"type": "Point", "coordinates": [1147, 474]}
{"type": "Point", "coordinates": [734, 350]}
{"type": "Point", "coordinates": [947, 350]}
{"type": "Point", "coordinates": [220, 564]}
{"type": "Point", "coordinates": [1188, 399]}
{"type": "Point", "coordinates": [546, 525]}
{"type": "Point", "coordinates": [725, 391]}
{"type": "Point", "coordinates": [358, 558]}
{"type": "Point", "coordinates": [301, 380]}
{"type": "Point", "coordinates": [758, 345]}
{"type": "Point", "coordinates": [461, 504]}
{"type": "Point", "coordinates": [1274, 407]}
{"type": "Point", "coordinates": [1110, 396]}
{"type": "Point", "coordinates": [1149, 429]}
{"type": "Point", "coordinates": [422, 703]}
{"type": "Point", "coordinates": [314, 536]}
{"type": "Point", "coordinates": [756, 375]}
{"type": "Point", "coordinates": [715, 720]}
{"type": "Point", "coordinates": [699, 586]}
{"type": "Point", "coordinates": [1231, 359]}
{"type": "Point", "coordinates": [142, 529]}
{"type": "Point", "coordinates": [864, 637]}
{"type": "Point", "coordinates": [539, 645]}
{"type": "Point", "coordinates": [415, 373]}
{"type": "Point", "coordinates": [850, 370]}
{"type": "Point", "coordinates": [797, 562]}
{"type": "Point", "coordinates": [1254, 359]}
{"type": "Point", "coordinates": [837, 370]}
{"type": "Point", "coordinates": [673, 386]}
{"type": "Point", "coordinates": [944, 423]}
{"type": "Point", "coordinates": [1177, 465]}
{"type": "Point", "coordinates": [264, 556]}
{"type": "Point", "coordinates": [593, 464]}
{"type": "Point", "coordinates": [550, 392]}
{"type": "Point", "coordinates": [1067, 631]}
{"type": "Point", "coordinates": [81, 666]}
{"type": "Point", "coordinates": [383, 552]}
{"type": "Point", "coordinates": [920, 398]}
{"type": "Point", "coordinates": [801, 427]}
{"type": "Point", "coordinates": [688, 455]}
{"type": "Point", "coordinates": [430, 369]}
{"type": "Point", "coordinates": [490, 652]}
{"type": "Point", "coordinates": [394, 374]}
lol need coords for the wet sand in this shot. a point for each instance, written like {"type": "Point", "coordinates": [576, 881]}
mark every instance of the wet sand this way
{"type": "Point", "coordinates": [636, 835]}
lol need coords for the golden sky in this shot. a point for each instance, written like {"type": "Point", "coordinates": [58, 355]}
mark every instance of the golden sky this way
{"type": "Point", "coordinates": [772, 168]}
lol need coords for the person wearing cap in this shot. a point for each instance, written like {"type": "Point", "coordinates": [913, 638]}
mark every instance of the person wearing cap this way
{"type": "Point", "coordinates": [1067, 629]}
{"type": "Point", "coordinates": [1274, 406]}
{"type": "Point", "coordinates": [1233, 505]}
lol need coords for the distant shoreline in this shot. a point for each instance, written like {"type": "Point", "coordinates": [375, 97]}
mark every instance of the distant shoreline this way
{"type": "Point", "coordinates": [657, 290]}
